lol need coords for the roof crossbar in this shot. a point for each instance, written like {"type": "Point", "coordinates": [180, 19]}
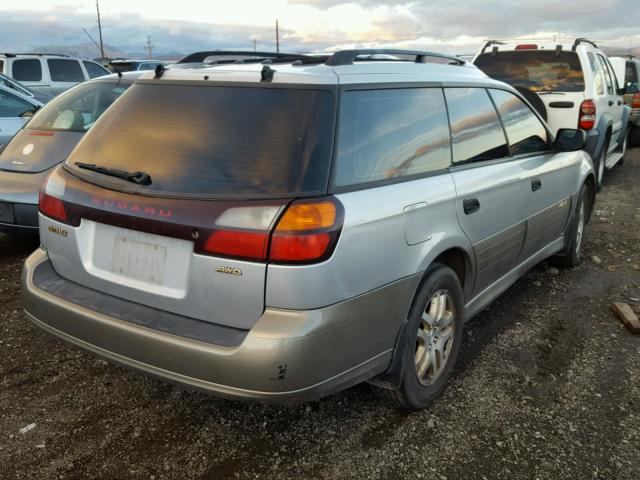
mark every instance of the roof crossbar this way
{"type": "Point", "coordinates": [199, 57]}
{"type": "Point", "coordinates": [347, 57]}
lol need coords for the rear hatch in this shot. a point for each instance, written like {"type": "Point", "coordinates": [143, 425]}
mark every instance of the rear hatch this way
{"type": "Point", "coordinates": [34, 151]}
{"type": "Point", "coordinates": [556, 77]}
{"type": "Point", "coordinates": [219, 163]}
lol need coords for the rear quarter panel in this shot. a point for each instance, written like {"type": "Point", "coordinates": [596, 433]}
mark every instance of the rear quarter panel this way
{"type": "Point", "coordinates": [373, 249]}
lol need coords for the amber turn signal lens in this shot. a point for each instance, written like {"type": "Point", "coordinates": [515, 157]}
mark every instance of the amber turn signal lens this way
{"type": "Point", "coordinates": [308, 216]}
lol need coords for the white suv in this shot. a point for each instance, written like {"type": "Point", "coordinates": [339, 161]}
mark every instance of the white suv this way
{"type": "Point", "coordinates": [572, 84]}
{"type": "Point", "coordinates": [49, 73]}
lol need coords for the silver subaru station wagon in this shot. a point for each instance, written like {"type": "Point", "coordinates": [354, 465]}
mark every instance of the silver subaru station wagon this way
{"type": "Point", "coordinates": [282, 231]}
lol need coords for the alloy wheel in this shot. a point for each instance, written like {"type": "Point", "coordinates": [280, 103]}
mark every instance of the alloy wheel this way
{"type": "Point", "coordinates": [434, 340]}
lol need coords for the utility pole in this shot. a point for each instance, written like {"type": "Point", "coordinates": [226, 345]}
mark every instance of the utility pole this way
{"type": "Point", "coordinates": [100, 31]}
{"type": "Point", "coordinates": [94, 42]}
{"type": "Point", "coordinates": [149, 47]}
{"type": "Point", "coordinates": [277, 37]}
{"type": "Point", "coordinates": [254, 44]}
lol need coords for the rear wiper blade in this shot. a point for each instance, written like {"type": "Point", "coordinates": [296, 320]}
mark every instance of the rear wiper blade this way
{"type": "Point", "coordinates": [139, 178]}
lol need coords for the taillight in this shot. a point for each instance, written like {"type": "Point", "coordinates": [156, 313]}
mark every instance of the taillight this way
{"type": "Point", "coordinates": [307, 231]}
{"type": "Point", "coordinates": [527, 46]}
{"type": "Point", "coordinates": [237, 243]}
{"type": "Point", "coordinates": [52, 207]}
{"type": "Point", "coordinates": [635, 102]}
{"type": "Point", "coordinates": [587, 115]}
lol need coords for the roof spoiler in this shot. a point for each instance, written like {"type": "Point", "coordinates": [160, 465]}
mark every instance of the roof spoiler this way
{"type": "Point", "coordinates": [35, 54]}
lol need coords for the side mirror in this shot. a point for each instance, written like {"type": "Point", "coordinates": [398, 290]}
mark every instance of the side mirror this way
{"type": "Point", "coordinates": [570, 140]}
{"type": "Point", "coordinates": [631, 88]}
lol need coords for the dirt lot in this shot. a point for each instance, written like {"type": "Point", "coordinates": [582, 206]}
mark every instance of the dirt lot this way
{"type": "Point", "coordinates": [548, 388]}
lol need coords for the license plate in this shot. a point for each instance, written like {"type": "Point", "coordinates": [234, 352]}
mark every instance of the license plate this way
{"type": "Point", "coordinates": [138, 259]}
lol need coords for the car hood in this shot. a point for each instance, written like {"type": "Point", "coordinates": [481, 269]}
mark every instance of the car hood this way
{"type": "Point", "coordinates": [21, 187]}
{"type": "Point", "coordinates": [33, 151]}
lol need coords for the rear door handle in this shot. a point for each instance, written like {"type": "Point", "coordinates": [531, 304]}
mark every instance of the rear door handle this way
{"type": "Point", "coordinates": [619, 102]}
{"type": "Point", "coordinates": [470, 205]}
{"type": "Point", "coordinates": [536, 184]}
{"type": "Point", "coordinates": [611, 103]}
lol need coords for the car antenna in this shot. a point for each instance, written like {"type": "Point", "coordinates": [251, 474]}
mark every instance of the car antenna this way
{"type": "Point", "coordinates": [266, 75]}
{"type": "Point", "coordinates": [159, 70]}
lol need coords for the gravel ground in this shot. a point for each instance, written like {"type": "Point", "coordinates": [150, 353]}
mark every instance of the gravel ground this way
{"type": "Point", "coordinates": [548, 387]}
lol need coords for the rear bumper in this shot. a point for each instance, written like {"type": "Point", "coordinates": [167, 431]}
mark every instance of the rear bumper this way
{"type": "Point", "coordinates": [18, 218]}
{"type": "Point", "coordinates": [287, 356]}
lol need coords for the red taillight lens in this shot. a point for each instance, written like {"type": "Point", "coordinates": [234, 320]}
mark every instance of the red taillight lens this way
{"type": "Point", "coordinates": [527, 46]}
{"type": "Point", "coordinates": [307, 232]}
{"type": "Point", "coordinates": [236, 243]}
{"type": "Point", "coordinates": [52, 207]}
{"type": "Point", "coordinates": [635, 102]}
{"type": "Point", "coordinates": [587, 116]}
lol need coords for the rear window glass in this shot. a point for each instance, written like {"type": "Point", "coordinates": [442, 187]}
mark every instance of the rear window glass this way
{"type": "Point", "coordinates": [77, 109]}
{"type": "Point", "coordinates": [28, 70]}
{"type": "Point", "coordinates": [386, 134]}
{"type": "Point", "coordinates": [526, 132]}
{"type": "Point", "coordinates": [65, 70]}
{"type": "Point", "coordinates": [477, 134]}
{"type": "Point", "coordinates": [538, 70]}
{"type": "Point", "coordinates": [214, 140]}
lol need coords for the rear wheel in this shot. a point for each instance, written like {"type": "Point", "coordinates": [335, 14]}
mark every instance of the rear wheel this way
{"type": "Point", "coordinates": [433, 340]}
{"type": "Point", "coordinates": [574, 252]}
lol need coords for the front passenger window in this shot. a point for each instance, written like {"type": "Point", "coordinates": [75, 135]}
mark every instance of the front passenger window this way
{"type": "Point", "coordinates": [476, 133]}
{"type": "Point", "coordinates": [525, 131]}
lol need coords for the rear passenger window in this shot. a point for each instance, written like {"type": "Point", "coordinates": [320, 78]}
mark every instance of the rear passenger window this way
{"type": "Point", "coordinates": [631, 75]}
{"type": "Point", "coordinates": [27, 70]}
{"type": "Point", "coordinates": [386, 134]}
{"type": "Point", "coordinates": [63, 70]}
{"type": "Point", "coordinates": [607, 74]}
{"type": "Point", "coordinates": [525, 132]}
{"type": "Point", "coordinates": [475, 128]}
{"type": "Point", "coordinates": [598, 75]}
{"type": "Point", "coordinates": [94, 70]}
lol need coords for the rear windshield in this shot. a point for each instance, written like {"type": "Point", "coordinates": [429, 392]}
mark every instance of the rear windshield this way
{"type": "Point", "coordinates": [538, 70]}
{"type": "Point", "coordinates": [215, 140]}
{"type": "Point", "coordinates": [77, 109]}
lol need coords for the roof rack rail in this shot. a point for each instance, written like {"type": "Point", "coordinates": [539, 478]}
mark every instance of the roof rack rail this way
{"type": "Point", "coordinates": [582, 40]}
{"type": "Point", "coordinates": [35, 54]}
{"type": "Point", "coordinates": [488, 43]}
{"type": "Point", "coordinates": [198, 57]}
{"type": "Point", "coordinates": [347, 57]}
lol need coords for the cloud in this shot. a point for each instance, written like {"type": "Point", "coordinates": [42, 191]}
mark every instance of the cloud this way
{"type": "Point", "coordinates": [457, 26]}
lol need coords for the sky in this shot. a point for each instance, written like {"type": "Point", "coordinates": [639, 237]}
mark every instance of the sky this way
{"type": "Point", "coordinates": [454, 26]}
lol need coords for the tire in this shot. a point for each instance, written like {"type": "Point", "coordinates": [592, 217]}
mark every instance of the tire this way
{"type": "Point", "coordinates": [440, 299]}
{"type": "Point", "coordinates": [574, 252]}
{"type": "Point", "coordinates": [599, 166]}
{"type": "Point", "coordinates": [535, 101]}
{"type": "Point", "coordinates": [634, 136]}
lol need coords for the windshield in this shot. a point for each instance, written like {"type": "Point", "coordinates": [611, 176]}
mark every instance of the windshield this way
{"type": "Point", "coordinates": [214, 140]}
{"type": "Point", "coordinates": [77, 109]}
{"type": "Point", "coordinates": [538, 70]}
